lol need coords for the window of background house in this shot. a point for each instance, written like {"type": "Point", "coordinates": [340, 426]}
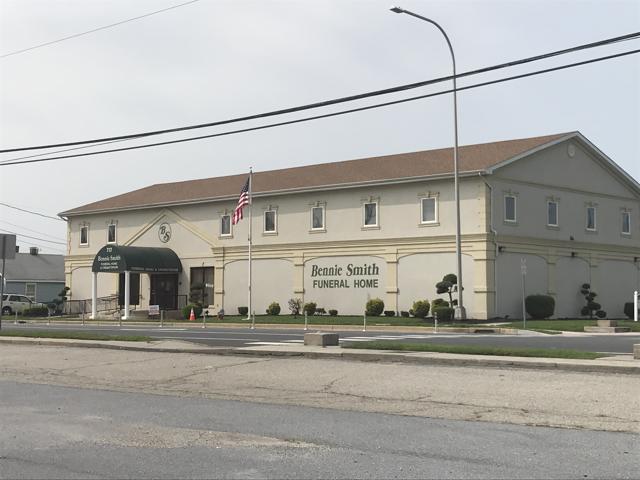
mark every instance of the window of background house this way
{"type": "Point", "coordinates": [591, 218]}
{"type": "Point", "coordinates": [429, 210]}
{"type": "Point", "coordinates": [509, 208]}
{"type": "Point", "coordinates": [225, 225]}
{"type": "Point", "coordinates": [84, 235]}
{"type": "Point", "coordinates": [317, 218]}
{"type": "Point", "coordinates": [626, 223]}
{"type": "Point", "coordinates": [370, 214]}
{"type": "Point", "coordinates": [111, 233]}
{"type": "Point", "coordinates": [30, 291]}
{"type": "Point", "coordinates": [552, 214]}
{"type": "Point", "coordinates": [270, 221]}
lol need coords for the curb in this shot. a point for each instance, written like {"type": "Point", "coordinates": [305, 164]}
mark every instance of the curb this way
{"type": "Point", "coordinates": [371, 356]}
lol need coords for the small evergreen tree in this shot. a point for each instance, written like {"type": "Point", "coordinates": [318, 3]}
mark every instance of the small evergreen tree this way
{"type": "Point", "coordinates": [591, 308]}
{"type": "Point", "coordinates": [448, 285]}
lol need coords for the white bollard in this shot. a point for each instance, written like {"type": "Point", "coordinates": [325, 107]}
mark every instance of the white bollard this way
{"type": "Point", "coordinates": [253, 320]}
{"type": "Point", "coordinates": [364, 323]}
{"type": "Point", "coordinates": [306, 321]}
{"type": "Point", "coordinates": [204, 318]}
{"type": "Point", "coordinates": [15, 322]}
{"type": "Point", "coordinates": [161, 318]}
{"type": "Point", "coordinates": [635, 306]}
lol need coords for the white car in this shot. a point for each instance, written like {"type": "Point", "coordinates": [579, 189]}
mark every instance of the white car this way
{"type": "Point", "coordinates": [17, 303]}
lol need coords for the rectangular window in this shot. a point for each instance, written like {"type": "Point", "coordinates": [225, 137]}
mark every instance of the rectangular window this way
{"type": "Point", "coordinates": [270, 221]}
{"type": "Point", "coordinates": [317, 218]}
{"type": "Point", "coordinates": [509, 208]}
{"type": "Point", "coordinates": [30, 291]}
{"type": "Point", "coordinates": [552, 214]}
{"type": "Point", "coordinates": [626, 223]}
{"type": "Point", "coordinates": [370, 214]}
{"type": "Point", "coordinates": [225, 225]}
{"type": "Point", "coordinates": [111, 233]}
{"type": "Point", "coordinates": [591, 218]}
{"type": "Point", "coordinates": [84, 235]}
{"type": "Point", "coordinates": [429, 210]}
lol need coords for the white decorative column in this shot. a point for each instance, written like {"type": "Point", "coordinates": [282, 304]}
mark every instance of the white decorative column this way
{"type": "Point", "coordinates": [94, 295]}
{"type": "Point", "coordinates": [127, 294]}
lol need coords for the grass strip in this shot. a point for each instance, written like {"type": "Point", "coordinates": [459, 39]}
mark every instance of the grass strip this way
{"type": "Point", "coordinates": [73, 335]}
{"type": "Point", "coordinates": [569, 325]}
{"type": "Point", "coordinates": [475, 350]}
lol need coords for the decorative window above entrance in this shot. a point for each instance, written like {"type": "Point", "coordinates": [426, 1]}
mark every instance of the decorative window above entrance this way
{"type": "Point", "coordinates": [116, 258]}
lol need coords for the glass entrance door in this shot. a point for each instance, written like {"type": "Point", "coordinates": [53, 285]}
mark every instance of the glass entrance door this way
{"type": "Point", "coordinates": [164, 291]}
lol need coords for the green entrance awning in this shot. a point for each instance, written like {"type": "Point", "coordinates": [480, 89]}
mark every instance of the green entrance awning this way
{"type": "Point", "coordinates": [116, 258]}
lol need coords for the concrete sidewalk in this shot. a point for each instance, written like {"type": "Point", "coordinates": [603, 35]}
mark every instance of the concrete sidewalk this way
{"type": "Point", "coordinates": [624, 364]}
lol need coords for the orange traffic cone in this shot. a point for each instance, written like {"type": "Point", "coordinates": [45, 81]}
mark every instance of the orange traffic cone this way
{"type": "Point", "coordinates": [192, 315]}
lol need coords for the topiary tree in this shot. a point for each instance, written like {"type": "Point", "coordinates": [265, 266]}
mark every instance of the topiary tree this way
{"type": "Point", "coordinates": [439, 302]}
{"type": "Point", "coordinates": [448, 285]}
{"type": "Point", "coordinates": [539, 307]}
{"type": "Point", "coordinates": [421, 308]}
{"type": "Point", "coordinates": [591, 308]}
{"type": "Point", "coordinates": [273, 309]}
{"type": "Point", "coordinates": [295, 305]}
{"type": "Point", "coordinates": [374, 307]}
{"type": "Point", "coordinates": [309, 308]}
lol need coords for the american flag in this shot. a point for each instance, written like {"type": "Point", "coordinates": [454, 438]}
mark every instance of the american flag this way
{"type": "Point", "coordinates": [242, 201]}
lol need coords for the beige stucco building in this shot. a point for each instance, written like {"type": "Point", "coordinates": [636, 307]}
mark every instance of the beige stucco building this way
{"type": "Point", "coordinates": [340, 233]}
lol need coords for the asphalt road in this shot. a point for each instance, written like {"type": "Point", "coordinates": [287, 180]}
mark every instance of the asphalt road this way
{"type": "Point", "coordinates": [236, 337]}
{"type": "Point", "coordinates": [69, 432]}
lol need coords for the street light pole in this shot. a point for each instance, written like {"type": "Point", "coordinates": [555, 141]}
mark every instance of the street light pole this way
{"type": "Point", "coordinates": [460, 312]}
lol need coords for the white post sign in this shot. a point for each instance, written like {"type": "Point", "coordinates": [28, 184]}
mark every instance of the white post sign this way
{"type": "Point", "coordinates": [523, 270]}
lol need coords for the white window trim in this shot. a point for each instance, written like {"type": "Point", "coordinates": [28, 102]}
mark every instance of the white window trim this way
{"type": "Point", "coordinates": [595, 219]}
{"type": "Point", "coordinates": [364, 215]}
{"type": "Point", "coordinates": [628, 214]}
{"type": "Point", "coordinates": [115, 231]}
{"type": "Point", "coordinates": [275, 222]}
{"type": "Point", "coordinates": [515, 208]}
{"type": "Point", "coordinates": [86, 244]}
{"type": "Point", "coordinates": [557, 224]}
{"type": "Point", "coordinates": [436, 219]}
{"type": "Point", "coordinates": [226, 235]}
{"type": "Point", "coordinates": [323, 228]}
{"type": "Point", "coordinates": [35, 291]}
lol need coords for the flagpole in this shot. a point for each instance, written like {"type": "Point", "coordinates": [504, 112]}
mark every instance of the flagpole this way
{"type": "Point", "coordinates": [250, 311]}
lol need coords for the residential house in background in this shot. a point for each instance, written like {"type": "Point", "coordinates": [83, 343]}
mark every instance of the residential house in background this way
{"type": "Point", "coordinates": [40, 277]}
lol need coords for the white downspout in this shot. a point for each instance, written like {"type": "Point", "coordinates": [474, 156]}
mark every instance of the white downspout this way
{"type": "Point", "coordinates": [495, 241]}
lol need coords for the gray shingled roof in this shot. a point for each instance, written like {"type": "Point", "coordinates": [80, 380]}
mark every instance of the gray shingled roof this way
{"type": "Point", "coordinates": [472, 158]}
{"type": "Point", "coordinates": [41, 267]}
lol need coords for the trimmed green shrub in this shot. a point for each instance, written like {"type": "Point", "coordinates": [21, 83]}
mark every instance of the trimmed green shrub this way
{"type": "Point", "coordinates": [443, 314]}
{"type": "Point", "coordinates": [36, 312]}
{"type": "Point", "coordinates": [186, 311]}
{"type": "Point", "coordinates": [411, 312]}
{"type": "Point", "coordinates": [628, 310]}
{"type": "Point", "coordinates": [321, 311]}
{"type": "Point", "coordinates": [273, 309]}
{"type": "Point", "coordinates": [389, 313]}
{"type": "Point", "coordinates": [309, 308]}
{"type": "Point", "coordinates": [448, 285]}
{"type": "Point", "coordinates": [439, 302]}
{"type": "Point", "coordinates": [333, 312]}
{"type": "Point", "coordinates": [539, 307]}
{"type": "Point", "coordinates": [421, 308]}
{"type": "Point", "coordinates": [374, 307]}
{"type": "Point", "coordinates": [243, 310]}
{"type": "Point", "coordinates": [404, 314]}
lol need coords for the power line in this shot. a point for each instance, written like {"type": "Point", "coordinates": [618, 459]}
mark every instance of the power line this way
{"type": "Point", "coordinates": [96, 29]}
{"type": "Point", "coordinates": [29, 211]}
{"type": "Point", "coordinates": [29, 236]}
{"type": "Point", "coordinates": [631, 36]}
{"type": "Point", "coordinates": [31, 230]}
{"type": "Point", "coordinates": [334, 114]}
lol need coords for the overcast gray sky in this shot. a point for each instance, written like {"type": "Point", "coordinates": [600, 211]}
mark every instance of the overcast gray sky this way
{"type": "Point", "coordinates": [216, 59]}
